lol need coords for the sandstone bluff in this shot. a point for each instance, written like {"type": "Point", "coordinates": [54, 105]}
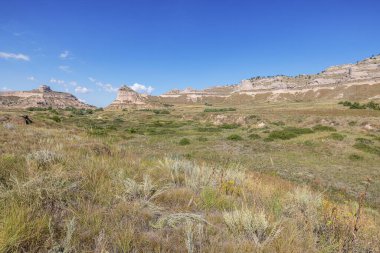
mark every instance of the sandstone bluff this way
{"type": "Point", "coordinates": [350, 81]}
{"type": "Point", "coordinates": [42, 97]}
{"type": "Point", "coordinates": [359, 81]}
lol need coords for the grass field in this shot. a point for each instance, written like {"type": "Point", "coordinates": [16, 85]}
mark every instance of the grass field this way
{"type": "Point", "coordinates": [291, 177]}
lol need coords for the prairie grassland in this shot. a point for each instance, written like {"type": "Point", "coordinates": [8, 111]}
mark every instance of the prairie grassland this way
{"type": "Point", "coordinates": [292, 178]}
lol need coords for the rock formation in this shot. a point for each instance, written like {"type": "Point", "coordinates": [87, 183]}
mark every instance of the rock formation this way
{"type": "Point", "coordinates": [128, 98]}
{"type": "Point", "coordinates": [42, 97]}
{"type": "Point", "coordinates": [349, 81]}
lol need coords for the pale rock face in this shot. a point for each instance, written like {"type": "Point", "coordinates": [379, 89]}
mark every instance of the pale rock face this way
{"type": "Point", "coordinates": [245, 85]}
{"type": "Point", "coordinates": [128, 98]}
{"type": "Point", "coordinates": [335, 79]}
{"type": "Point", "coordinates": [42, 97]}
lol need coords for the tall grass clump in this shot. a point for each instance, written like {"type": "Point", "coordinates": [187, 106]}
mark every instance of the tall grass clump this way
{"type": "Point", "coordinates": [196, 176]}
{"type": "Point", "coordinates": [254, 226]}
{"type": "Point", "coordinates": [44, 158]}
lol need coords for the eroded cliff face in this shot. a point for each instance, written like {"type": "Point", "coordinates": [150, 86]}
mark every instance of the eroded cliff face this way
{"type": "Point", "coordinates": [42, 97]}
{"type": "Point", "coordinates": [349, 81]}
{"type": "Point", "coordinates": [128, 98]}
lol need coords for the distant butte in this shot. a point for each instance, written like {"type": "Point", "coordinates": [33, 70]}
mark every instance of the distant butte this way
{"type": "Point", "coordinates": [129, 99]}
{"type": "Point", "coordinates": [42, 97]}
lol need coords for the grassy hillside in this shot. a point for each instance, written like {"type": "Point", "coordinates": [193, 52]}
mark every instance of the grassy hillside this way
{"type": "Point", "coordinates": [261, 178]}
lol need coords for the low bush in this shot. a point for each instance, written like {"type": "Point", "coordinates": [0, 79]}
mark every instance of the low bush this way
{"type": "Point", "coordinates": [184, 141]}
{"type": "Point", "coordinates": [288, 133]}
{"type": "Point", "coordinates": [161, 112]}
{"type": "Point", "coordinates": [219, 109]}
{"type": "Point", "coordinates": [355, 157]}
{"type": "Point", "coordinates": [203, 139]}
{"type": "Point", "coordinates": [209, 129]}
{"type": "Point", "coordinates": [368, 148]}
{"type": "Point", "coordinates": [322, 128]}
{"type": "Point", "coordinates": [355, 105]}
{"type": "Point", "coordinates": [337, 136]}
{"type": "Point", "coordinates": [254, 136]}
{"type": "Point", "coordinates": [229, 126]}
{"type": "Point", "coordinates": [234, 137]}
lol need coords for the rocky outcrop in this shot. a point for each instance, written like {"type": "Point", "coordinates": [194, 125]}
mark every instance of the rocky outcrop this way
{"type": "Point", "coordinates": [349, 81]}
{"type": "Point", "coordinates": [42, 97]}
{"type": "Point", "coordinates": [128, 98]}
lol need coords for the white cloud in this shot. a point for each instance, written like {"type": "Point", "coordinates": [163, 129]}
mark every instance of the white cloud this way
{"type": "Point", "coordinates": [82, 90]}
{"type": "Point", "coordinates": [19, 57]}
{"type": "Point", "coordinates": [65, 68]}
{"type": "Point", "coordinates": [5, 89]}
{"type": "Point", "coordinates": [82, 100]}
{"type": "Point", "coordinates": [64, 54]}
{"type": "Point", "coordinates": [142, 88]}
{"type": "Point", "coordinates": [31, 78]}
{"type": "Point", "coordinates": [105, 86]}
{"type": "Point", "coordinates": [57, 81]}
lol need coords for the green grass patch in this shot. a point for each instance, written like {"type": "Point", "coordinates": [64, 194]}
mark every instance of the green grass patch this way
{"type": "Point", "coordinates": [355, 157]}
{"type": "Point", "coordinates": [202, 139]}
{"type": "Point", "coordinates": [184, 142]}
{"type": "Point", "coordinates": [209, 129]}
{"type": "Point", "coordinates": [367, 148]}
{"type": "Point", "coordinates": [322, 128]}
{"type": "Point", "coordinates": [254, 136]}
{"type": "Point", "coordinates": [288, 133]}
{"type": "Point", "coordinates": [234, 137]}
{"type": "Point", "coordinates": [229, 126]}
{"type": "Point", "coordinates": [219, 110]}
{"type": "Point", "coordinates": [337, 136]}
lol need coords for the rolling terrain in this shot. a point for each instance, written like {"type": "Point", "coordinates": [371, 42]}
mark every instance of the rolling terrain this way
{"type": "Point", "coordinates": [268, 177]}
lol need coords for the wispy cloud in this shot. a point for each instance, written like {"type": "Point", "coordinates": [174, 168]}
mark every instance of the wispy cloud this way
{"type": "Point", "coordinates": [65, 68]}
{"type": "Point", "coordinates": [31, 78]}
{"type": "Point", "coordinates": [64, 55]}
{"type": "Point", "coordinates": [57, 81]}
{"type": "Point", "coordinates": [104, 86]}
{"type": "Point", "coordinates": [5, 89]}
{"type": "Point", "coordinates": [82, 90]}
{"type": "Point", "coordinates": [142, 88]}
{"type": "Point", "coordinates": [11, 56]}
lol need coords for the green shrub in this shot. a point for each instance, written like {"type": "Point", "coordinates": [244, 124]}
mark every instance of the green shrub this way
{"type": "Point", "coordinates": [321, 128]}
{"type": "Point", "coordinates": [184, 141]}
{"type": "Point", "coordinates": [337, 136]}
{"type": "Point", "coordinates": [352, 123]}
{"type": "Point", "coordinates": [288, 133]}
{"type": "Point", "coordinates": [56, 118]}
{"type": "Point", "coordinates": [234, 137]}
{"type": "Point", "coordinates": [355, 157]}
{"type": "Point", "coordinates": [364, 141]}
{"type": "Point", "coordinates": [161, 112]}
{"type": "Point", "coordinates": [367, 148]}
{"type": "Point", "coordinates": [211, 199]}
{"type": "Point", "coordinates": [229, 126]}
{"type": "Point", "coordinates": [282, 135]}
{"type": "Point", "coordinates": [355, 105]}
{"type": "Point", "coordinates": [209, 129]}
{"type": "Point", "coordinates": [219, 109]}
{"type": "Point", "coordinates": [278, 123]}
{"type": "Point", "coordinates": [254, 136]}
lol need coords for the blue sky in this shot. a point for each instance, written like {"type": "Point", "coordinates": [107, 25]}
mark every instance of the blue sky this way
{"type": "Point", "coordinates": [90, 48]}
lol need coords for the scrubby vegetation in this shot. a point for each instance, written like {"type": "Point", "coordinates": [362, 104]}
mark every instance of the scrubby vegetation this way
{"type": "Point", "coordinates": [288, 133]}
{"type": "Point", "coordinates": [123, 182]}
{"type": "Point", "coordinates": [355, 105]}
{"type": "Point", "coordinates": [219, 109]}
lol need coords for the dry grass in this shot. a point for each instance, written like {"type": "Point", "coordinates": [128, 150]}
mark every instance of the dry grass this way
{"type": "Point", "coordinates": [63, 190]}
